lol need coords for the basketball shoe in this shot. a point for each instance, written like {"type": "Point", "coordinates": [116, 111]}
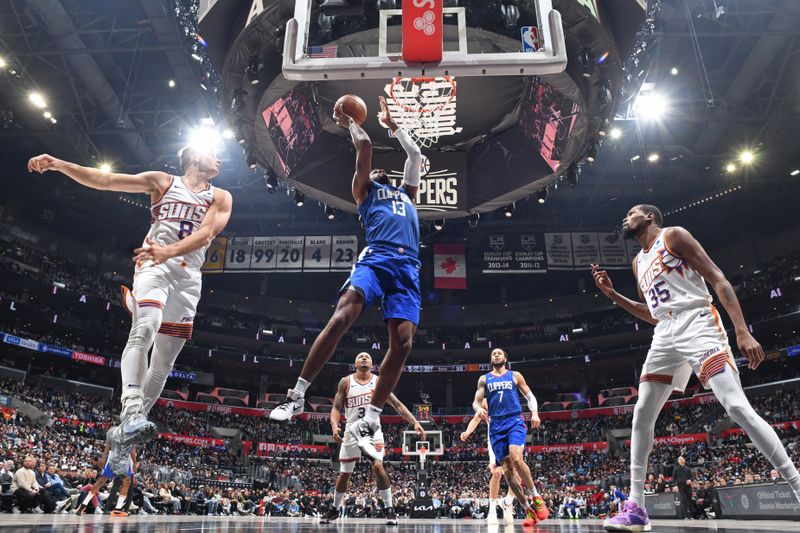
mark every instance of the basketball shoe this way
{"type": "Point", "coordinates": [292, 406]}
{"type": "Point", "coordinates": [329, 516]}
{"type": "Point", "coordinates": [542, 512]}
{"type": "Point", "coordinates": [630, 518]}
{"type": "Point", "coordinates": [364, 434]}
{"type": "Point", "coordinates": [135, 428]}
{"type": "Point", "coordinates": [508, 511]}
{"type": "Point", "coordinates": [492, 518]}
{"type": "Point", "coordinates": [530, 518]}
{"type": "Point", "coordinates": [119, 455]}
{"type": "Point", "coordinates": [391, 517]}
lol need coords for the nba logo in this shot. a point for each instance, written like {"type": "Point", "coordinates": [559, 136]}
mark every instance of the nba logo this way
{"type": "Point", "coordinates": [530, 38]}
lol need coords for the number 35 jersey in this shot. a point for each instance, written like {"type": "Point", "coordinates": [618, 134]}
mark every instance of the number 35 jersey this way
{"type": "Point", "coordinates": [667, 281]}
{"type": "Point", "coordinates": [176, 215]}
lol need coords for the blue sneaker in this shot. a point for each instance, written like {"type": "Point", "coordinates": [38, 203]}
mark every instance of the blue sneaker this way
{"type": "Point", "coordinates": [630, 518]}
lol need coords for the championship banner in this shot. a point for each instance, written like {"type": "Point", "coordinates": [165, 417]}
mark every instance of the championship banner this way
{"type": "Point", "coordinates": [449, 266]}
{"type": "Point", "coordinates": [513, 253]}
{"type": "Point", "coordinates": [613, 251]}
{"type": "Point", "coordinates": [215, 256]}
{"type": "Point", "coordinates": [585, 249]}
{"type": "Point", "coordinates": [559, 251]}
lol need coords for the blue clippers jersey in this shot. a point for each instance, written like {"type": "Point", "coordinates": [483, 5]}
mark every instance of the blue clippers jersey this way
{"type": "Point", "coordinates": [502, 395]}
{"type": "Point", "coordinates": [390, 218]}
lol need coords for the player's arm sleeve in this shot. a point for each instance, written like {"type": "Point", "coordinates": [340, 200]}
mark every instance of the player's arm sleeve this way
{"type": "Point", "coordinates": [411, 172]}
{"type": "Point", "coordinates": [533, 405]}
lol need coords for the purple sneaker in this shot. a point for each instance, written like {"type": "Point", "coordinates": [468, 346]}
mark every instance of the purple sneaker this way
{"type": "Point", "coordinates": [630, 518]}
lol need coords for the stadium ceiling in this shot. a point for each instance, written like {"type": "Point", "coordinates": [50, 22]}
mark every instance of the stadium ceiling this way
{"type": "Point", "coordinates": [104, 67]}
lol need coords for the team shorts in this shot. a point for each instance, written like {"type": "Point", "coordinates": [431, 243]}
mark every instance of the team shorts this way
{"type": "Point", "coordinates": [505, 432]}
{"type": "Point", "coordinates": [109, 474]}
{"type": "Point", "coordinates": [386, 275]}
{"type": "Point", "coordinates": [686, 341]}
{"type": "Point", "coordinates": [350, 453]}
{"type": "Point", "coordinates": [174, 288]}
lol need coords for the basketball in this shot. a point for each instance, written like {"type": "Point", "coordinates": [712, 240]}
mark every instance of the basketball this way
{"type": "Point", "coordinates": [354, 107]}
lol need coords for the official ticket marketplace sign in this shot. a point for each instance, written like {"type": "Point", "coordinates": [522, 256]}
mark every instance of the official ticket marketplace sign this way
{"type": "Point", "coordinates": [759, 501]}
{"type": "Point", "coordinates": [662, 505]}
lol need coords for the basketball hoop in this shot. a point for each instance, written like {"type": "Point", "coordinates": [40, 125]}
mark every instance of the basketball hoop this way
{"type": "Point", "coordinates": [421, 105]}
{"type": "Point", "coordinates": [422, 452]}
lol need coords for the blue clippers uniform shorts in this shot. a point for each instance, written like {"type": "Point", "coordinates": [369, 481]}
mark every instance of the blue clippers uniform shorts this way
{"type": "Point", "coordinates": [389, 276]}
{"type": "Point", "coordinates": [108, 474]}
{"type": "Point", "coordinates": [506, 431]}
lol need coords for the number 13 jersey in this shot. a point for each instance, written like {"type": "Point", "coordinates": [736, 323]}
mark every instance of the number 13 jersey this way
{"type": "Point", "coordinates": [176, 215]}
{"type": "Point", "coordinates": [667, 281]}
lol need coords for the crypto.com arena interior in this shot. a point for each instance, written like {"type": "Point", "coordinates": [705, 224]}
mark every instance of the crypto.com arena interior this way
{"type": "Point", "coordinates": [382, 216]}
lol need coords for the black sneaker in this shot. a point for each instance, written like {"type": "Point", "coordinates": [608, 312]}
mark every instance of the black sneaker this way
{"type": "Point", "coordinates": [329, 516]}
{"type": "Point", "coordinates": [391, 517]}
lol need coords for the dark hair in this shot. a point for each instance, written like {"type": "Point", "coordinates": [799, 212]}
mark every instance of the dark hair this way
{"type": "Point", "coordinates": [505, 353]}
{"type": "Point", "coordinates": [648, 209]}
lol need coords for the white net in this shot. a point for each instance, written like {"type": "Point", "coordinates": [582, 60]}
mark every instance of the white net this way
{"type": "Point", "coordinates": [424, 107]}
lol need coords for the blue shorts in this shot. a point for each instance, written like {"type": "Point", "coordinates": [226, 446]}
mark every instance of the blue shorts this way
{"type": "Point", "coordinates": [385, 275]}
{"type": "Point", "coordinates": [108, 474]}
{"type": "Point", "coordinates": [505, 432]}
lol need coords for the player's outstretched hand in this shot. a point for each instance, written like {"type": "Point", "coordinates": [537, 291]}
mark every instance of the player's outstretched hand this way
{"type": "Point", "coordinates": [420, 430]}
{"type": "Point", "coordinates": [535, 420]}
{"type": "Point", "coordinates": [42, 163]}
{"type": "Point", "coordinates": [464, 436]}
{"type": "Point", "coordinates": [152, 251]}
{"type": "Point", "coordinates": [602, 280]}
{"type": "Point", "coordinates": [385, 116]}
{"type": "Point", "coordinates": [335, 430]}
{"type": "Point", "coordinates": [751, 349]}
{"type": "Point", "coordinates": [342, 120]}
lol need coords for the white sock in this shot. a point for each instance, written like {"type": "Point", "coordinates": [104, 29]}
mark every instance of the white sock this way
{"type": "Point", "coordinates": [162, 359]}
{"type": "Point", "coordinates": [652, 396]}
{"type": "Point", "coordinates": [509, 499]}
{"type": "Point", "coordinates": [88, 498]}
{"type": "Point", "coordinates": [534, 491]}
{"type": "Point", "coordinates": [338, 497]}
{"type": "Point", "coordinates": [492, 507]}
{"type": "Point", "coordinates": [301, 386]}
{"type": "Point", "coordinates": [729, 392]}
{"type": "Point", "coordinates": [120, 501]}
{"type": "Point", "coordinates": [386, 496]}
{"type": "Point", "coordinates": [373, 414]}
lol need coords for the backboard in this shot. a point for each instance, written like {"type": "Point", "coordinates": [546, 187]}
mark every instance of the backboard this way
{"type": "Point", "coordinates": [368, 44]}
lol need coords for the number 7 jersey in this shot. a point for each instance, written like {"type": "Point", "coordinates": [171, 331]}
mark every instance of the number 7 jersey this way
{"type": "Point", "coordinates": [667, 281]}
{"type": "Point", "coordinates": [176, 215]}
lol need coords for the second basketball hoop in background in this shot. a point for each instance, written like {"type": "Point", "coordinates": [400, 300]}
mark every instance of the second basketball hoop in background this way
{"type": "Point", "coordinates": [354, 107]}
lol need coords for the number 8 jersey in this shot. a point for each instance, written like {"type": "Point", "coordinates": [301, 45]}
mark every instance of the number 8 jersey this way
{"type": "Point", "coordinates": [667, 281]}
{"type": "Point", "coordinates": [177, 214]}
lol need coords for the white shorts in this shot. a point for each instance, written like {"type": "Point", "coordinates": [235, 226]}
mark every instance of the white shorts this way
{"type": "Point", "coordinates": [350, 453]}
{"type": "Point", "coordinates": [686, 341]}
{"type": "Point", "coordinates": [174, 288]}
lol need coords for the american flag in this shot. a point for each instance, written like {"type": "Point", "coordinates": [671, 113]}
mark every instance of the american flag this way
{"type": "Point", "coordinates": [322, 51]}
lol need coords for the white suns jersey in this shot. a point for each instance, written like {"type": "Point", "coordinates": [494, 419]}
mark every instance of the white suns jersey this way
{"type": "Point", "coordinates": [177, 214]}
{"type": "Point", "coordinates": [667, 282]}
{"type": "Point", "coordinates": [358, 398]}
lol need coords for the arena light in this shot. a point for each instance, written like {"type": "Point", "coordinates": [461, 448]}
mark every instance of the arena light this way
{"type": "Point", "coordinates": [591, 154]}
{"type": "Point", "coordinates": [472, 222]}
{"type": "Point", "coordinates": [438, 225]}
{"type": "Point", "coordinates": [251, 160]}
{"type": "Point", "coordinates": [3, 63]}
{"type": "Point", "coordinates": [653, 157]}
{"type": "Point", "coordinates": [227, 133]}
{"type": "Point", "coordinates": [674, 71]}
{"type": "Point", "coordinates": [730, 168]}
{"type": "Point", "coordinates": [508, 210]}
{"type": "Point", "coordinates": [747, 157]}
{"type": "Point", "coordinates": [794, 172]}
{"type": "Point", "coordinates": [37, 99]}
{"type": "Point", "coordinates": [171, 84]}
{"type": "Point", "coordinates": [238, 134]}
{"type": "Point", "coordinates": [105, 167]}
{"type": "Point", "coordinates": [204, 140]}
{"type": "Point", "coordinates": [615, 133]}
{"type": "Point", "coordinates": [47, 114]}
{"type": "Point", "coordinates": [635, 158]}
{"type": "Point", "coordinates": [53, 120]}
{"type": "Point", "coordinates": [541, 195]}
{"type": "Point", "coordinates": [254, 70]}
{"type": "Point", "coordinates": [270, 181]}
{"type": "Point", "coordinates": [299, 198]}
{"type": "Point", "coordinates": [587, 65]}
{"type": "Point", "coordinates": [650, 105]}
{"type": "Point", "coordinates": [330, 212]}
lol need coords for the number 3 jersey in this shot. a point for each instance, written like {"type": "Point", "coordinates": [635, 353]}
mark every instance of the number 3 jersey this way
{"type": "Point", "coordinates": [359, 397]}
{"type": "Point", "coordinates": [667, 281]}
{"type": "Point", "coordinates": [176, 215]}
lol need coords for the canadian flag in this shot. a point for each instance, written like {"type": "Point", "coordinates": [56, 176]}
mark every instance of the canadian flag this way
{"type": "Point", "coordinates": [449, 266]}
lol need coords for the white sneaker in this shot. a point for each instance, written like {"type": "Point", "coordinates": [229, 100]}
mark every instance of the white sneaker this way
{"type": "Point", "coordinates": [364, 433]}
{"type": "Point", "coordinates": [508, 512]}
{"type": "Point", "coordinates": [62, 505]}
{"type": "Point", "coordinates": [492, 519]}
{"type": "Point", "coordinates": [292, 406]}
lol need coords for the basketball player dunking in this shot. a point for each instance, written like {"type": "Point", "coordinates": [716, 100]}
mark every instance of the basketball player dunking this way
{"type": "Point", "coordinates": [507, 504]}
{"type": "Point", "coordinates": [354, 395]}
{"type": "Point", "coordinates": [671, 272]}
{"type": "Point", "coordinates": [387, 271]}
{"type": "Point", "coordinates": [186, 213]}
{"type": "Point", "coordinates": [507, 430]}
